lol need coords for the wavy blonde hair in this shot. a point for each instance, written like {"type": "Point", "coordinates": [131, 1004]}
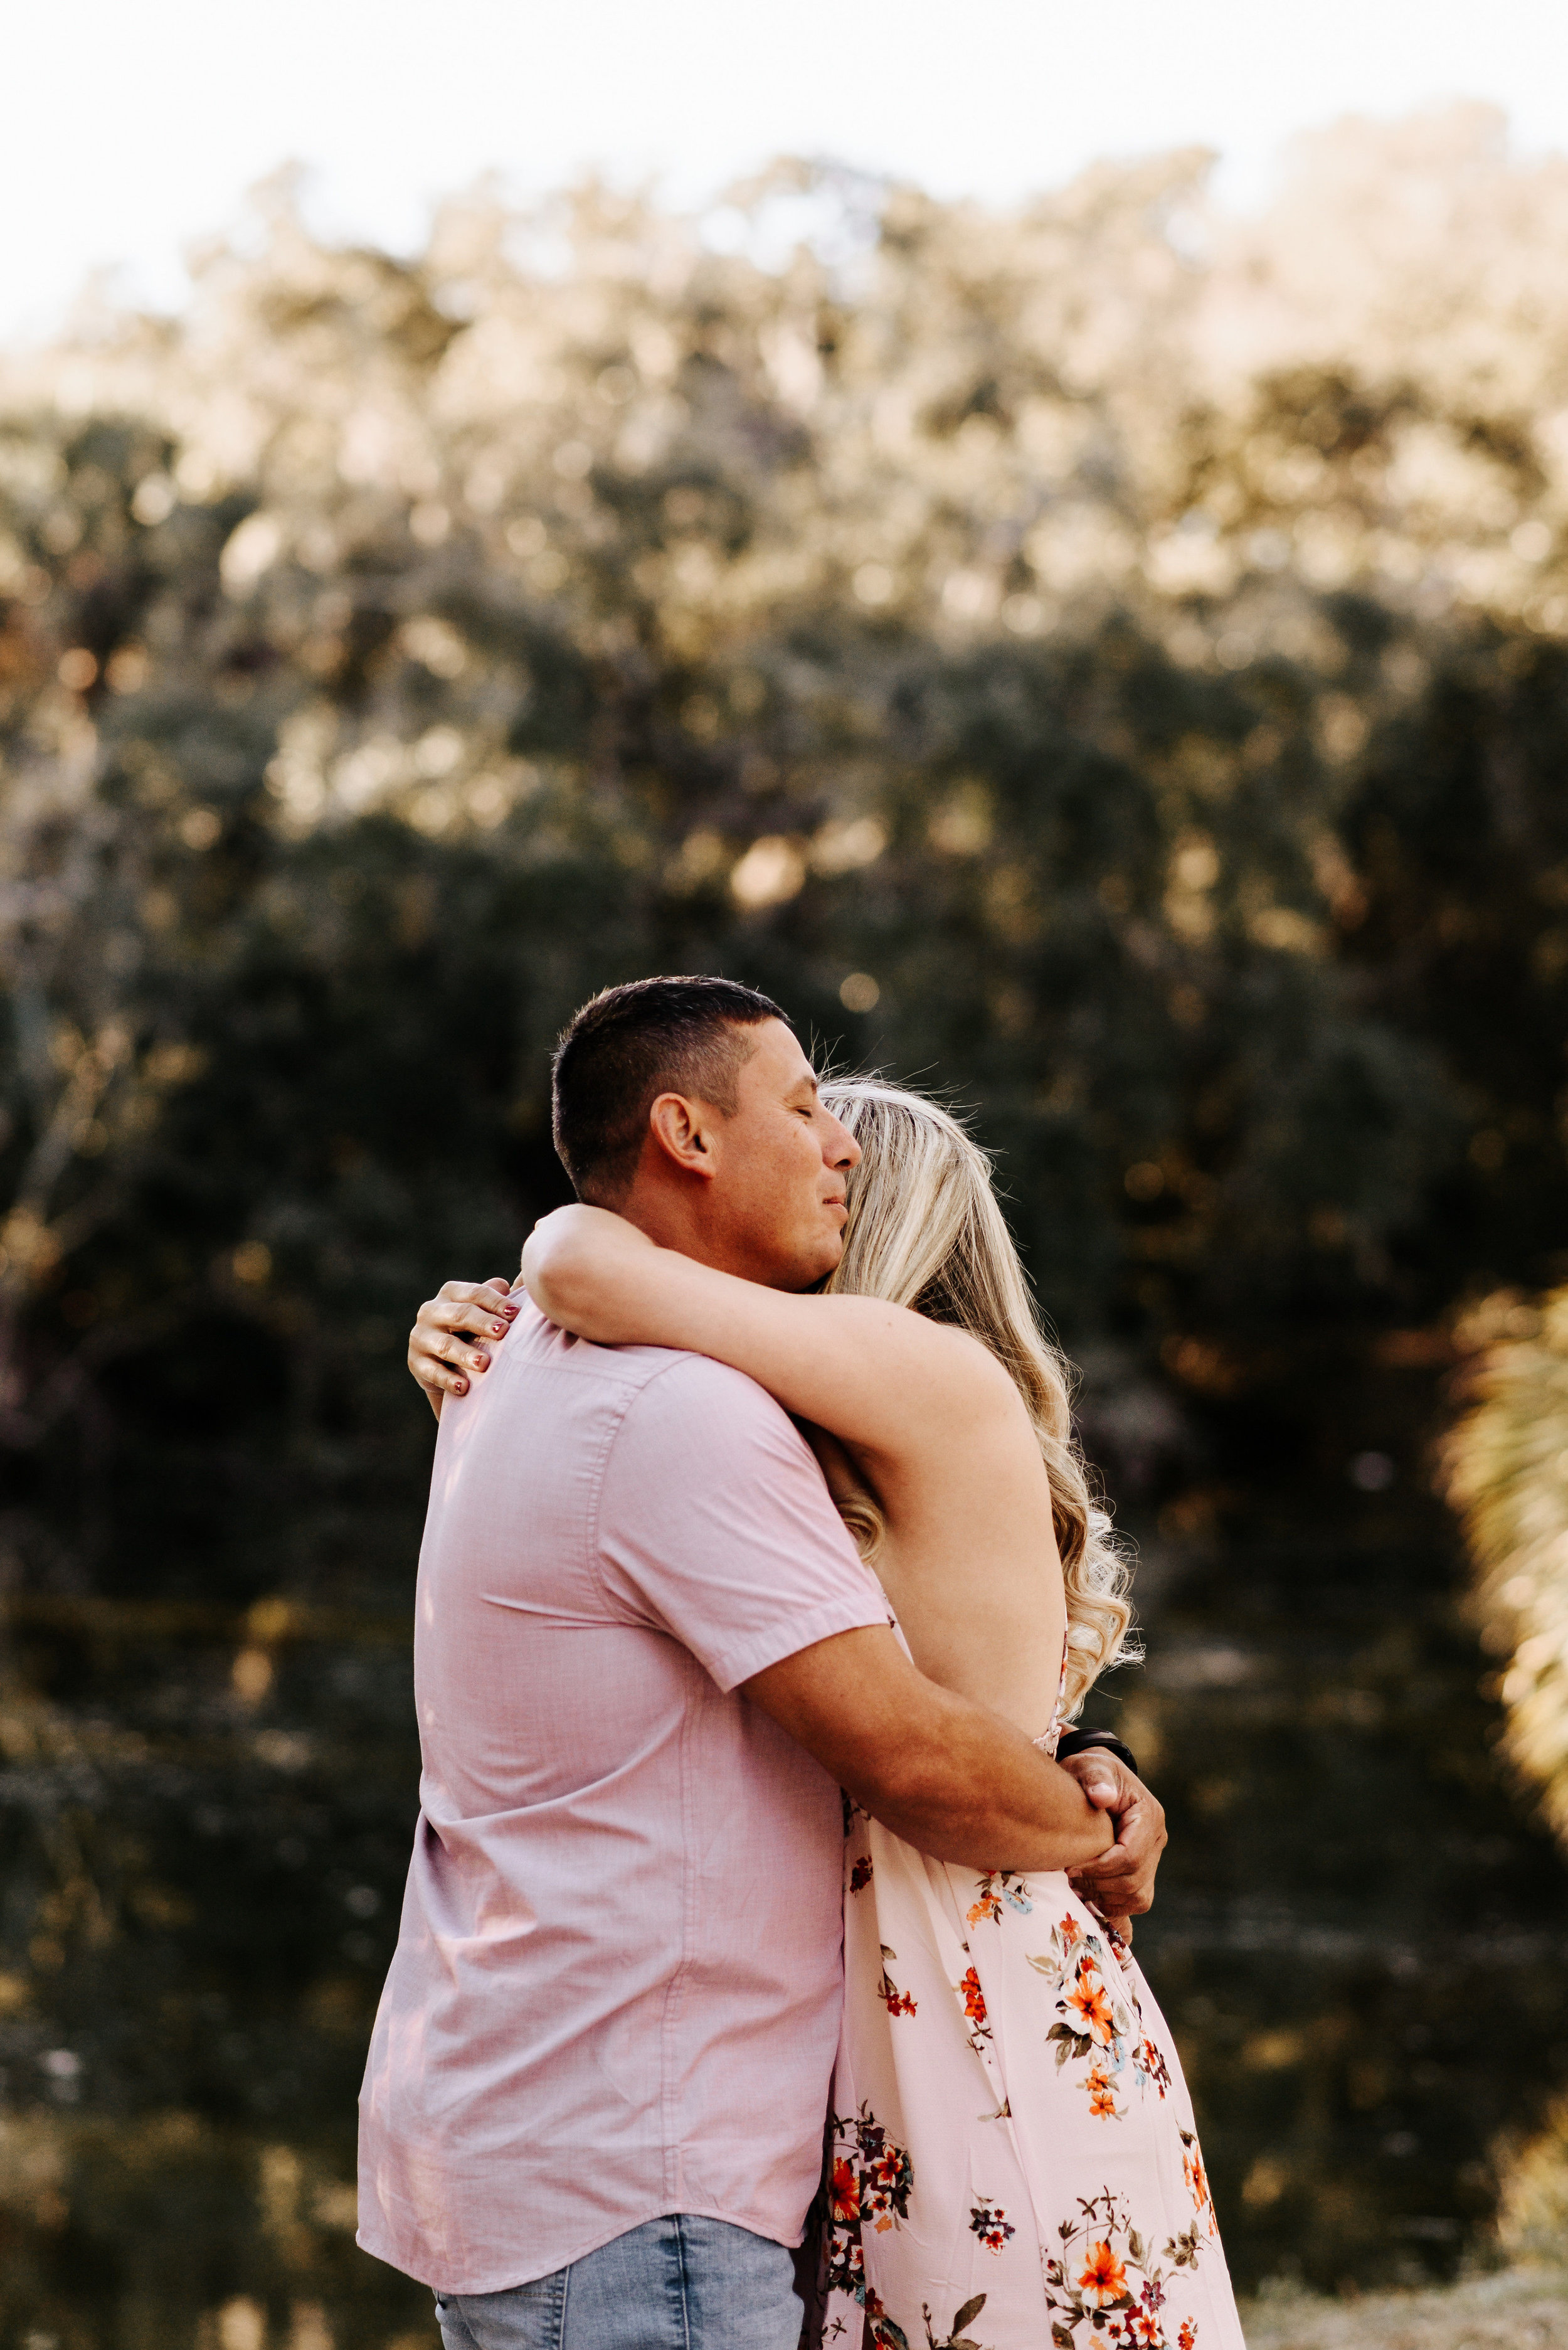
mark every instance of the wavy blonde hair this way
{"type": "Point", "coordinates": [925, 1231]}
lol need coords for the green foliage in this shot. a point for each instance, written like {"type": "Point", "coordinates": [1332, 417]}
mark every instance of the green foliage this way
{"type": "Point", "coordinates": [1159, 757]}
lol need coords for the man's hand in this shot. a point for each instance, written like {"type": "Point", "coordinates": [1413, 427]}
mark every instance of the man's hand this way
{"type": "Point", "coordinates": [440, 1358]}
{"type": "Point", "coordinates": [1120, 1883]}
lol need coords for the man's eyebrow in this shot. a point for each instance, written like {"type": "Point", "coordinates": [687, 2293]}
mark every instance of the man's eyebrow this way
{"type": "Point", "coordinates": [808, 1079]}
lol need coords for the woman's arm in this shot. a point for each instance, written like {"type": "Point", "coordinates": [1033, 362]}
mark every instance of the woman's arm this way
{"type": "Point", "coordinates": [886, 1380]}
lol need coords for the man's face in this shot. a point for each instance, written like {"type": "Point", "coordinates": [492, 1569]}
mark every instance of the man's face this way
{"type": "Point", "coordinates": [776, 1206]}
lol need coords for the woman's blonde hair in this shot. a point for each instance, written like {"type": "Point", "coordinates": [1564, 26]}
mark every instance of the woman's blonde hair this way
{"type": "Point", "coordinates": [925, 1231]}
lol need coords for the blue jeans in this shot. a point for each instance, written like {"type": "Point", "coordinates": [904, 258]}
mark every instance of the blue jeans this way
{"type": "Point", "coordinates": [678, 2284]}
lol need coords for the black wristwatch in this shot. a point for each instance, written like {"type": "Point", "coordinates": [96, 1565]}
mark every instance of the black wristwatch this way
{"type": "Point", "coordinates": [1083, 1742]}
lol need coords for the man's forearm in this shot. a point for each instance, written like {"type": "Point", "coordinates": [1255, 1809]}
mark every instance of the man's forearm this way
{"type": "Point", "coordinates": [983, 1796]}
{"type": "Point", "coordinates": [948, 1776]}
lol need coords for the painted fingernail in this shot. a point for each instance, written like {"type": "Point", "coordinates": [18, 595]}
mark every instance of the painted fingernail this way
{"type": "Point", "coordinates": [499, 1328]}
{"type": "Point", "coordinates": [461, 1387]}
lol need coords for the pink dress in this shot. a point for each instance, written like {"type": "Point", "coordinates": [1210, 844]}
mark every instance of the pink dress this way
{"type": "Point", "coordinates": [1013, 2161]}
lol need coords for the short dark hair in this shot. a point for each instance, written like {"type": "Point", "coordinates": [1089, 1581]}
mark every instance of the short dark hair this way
{"type": "Point", "coordinates": [628, 1045]}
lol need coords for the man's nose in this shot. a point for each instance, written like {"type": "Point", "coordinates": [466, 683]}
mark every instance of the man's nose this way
{"type": "Point", "coordinates": [840, 1148]}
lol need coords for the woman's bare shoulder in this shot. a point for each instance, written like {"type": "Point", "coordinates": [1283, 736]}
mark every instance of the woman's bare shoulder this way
{"type": "Point", "coordinates": [917, 1381]}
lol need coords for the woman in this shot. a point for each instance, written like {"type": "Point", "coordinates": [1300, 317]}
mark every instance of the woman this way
{"type": "Point", "coordinates": [1014, 2157]}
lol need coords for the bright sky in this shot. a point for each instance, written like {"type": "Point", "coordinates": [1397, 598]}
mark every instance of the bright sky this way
{"type": "Point", "coordinates": [131, 129]}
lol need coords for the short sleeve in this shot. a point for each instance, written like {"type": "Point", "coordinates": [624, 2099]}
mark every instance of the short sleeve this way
{"type": "Point", "coordinates": [714, 1525]}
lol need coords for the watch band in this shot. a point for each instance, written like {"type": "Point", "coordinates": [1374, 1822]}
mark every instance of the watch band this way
{"type": "Point", "coordinates": [1083, 1742]}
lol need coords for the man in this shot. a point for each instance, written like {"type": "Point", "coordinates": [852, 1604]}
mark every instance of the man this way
{"type": "Point", "coordinates": [647, 1657]}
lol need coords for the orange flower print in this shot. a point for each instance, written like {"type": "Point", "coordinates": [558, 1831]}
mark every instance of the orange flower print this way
{"type": "Point", "coordinates": [1103, 2103]}
{"type": "Point", "coordinates": [1196, 2178]}
{"type": "Point", "coordinates": [883, 2334]}
{"type": "Point", "coordinates": [997, 1887]}
{"type": "Point", "coordinates": [1103, 2280]}
{"type": "Point", "coordinates": [870, 2186]}
{"type": "Point", "coordinates": [896, 2002]}
{"type": "Point", "coordinates": [1090, 2004]}
{"type": "Point", "coordinates": [1107, 2271]}
{"type": "Point", "coordinates": [885, 2185]}
{"type": "Point", "coordinates": [1093, 2027]}
{"type": "Point", "coordinates": [974, 2009]}
{"type": "Point", "coordinates": [1152, 2065]}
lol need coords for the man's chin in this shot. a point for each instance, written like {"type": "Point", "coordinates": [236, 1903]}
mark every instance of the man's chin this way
{"type": "Point", "coordinates": [829, 1256]}
{"type": "Point", "coordinates": [812, 1268]}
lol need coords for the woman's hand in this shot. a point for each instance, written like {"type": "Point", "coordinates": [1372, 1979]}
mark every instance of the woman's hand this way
{"type": "Point", "coordinates": [439, 1357]}
{"type": "Point", "coordinates": [579, 1265]}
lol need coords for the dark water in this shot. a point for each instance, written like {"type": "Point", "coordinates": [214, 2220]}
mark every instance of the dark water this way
{"type": "Point", "coordinates": [1361, 1944]}
{"type": "Point", "coordinates": [1360, 1941]}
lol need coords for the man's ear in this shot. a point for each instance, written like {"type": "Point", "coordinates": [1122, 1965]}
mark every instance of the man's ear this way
{"type": "Point", "coordinates": [685, 1130]}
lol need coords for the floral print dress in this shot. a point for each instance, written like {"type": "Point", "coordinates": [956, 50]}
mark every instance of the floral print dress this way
{"type": "Point", "coordinates": [1013, 2159]}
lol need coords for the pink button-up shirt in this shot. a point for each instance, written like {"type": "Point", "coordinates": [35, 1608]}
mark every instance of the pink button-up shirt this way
{"type": "Point", "coordinates": [617, 1987]}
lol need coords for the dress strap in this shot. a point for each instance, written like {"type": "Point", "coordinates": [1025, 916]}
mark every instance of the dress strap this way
{"type": "Point", "coordinates": [1048, 1739]}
